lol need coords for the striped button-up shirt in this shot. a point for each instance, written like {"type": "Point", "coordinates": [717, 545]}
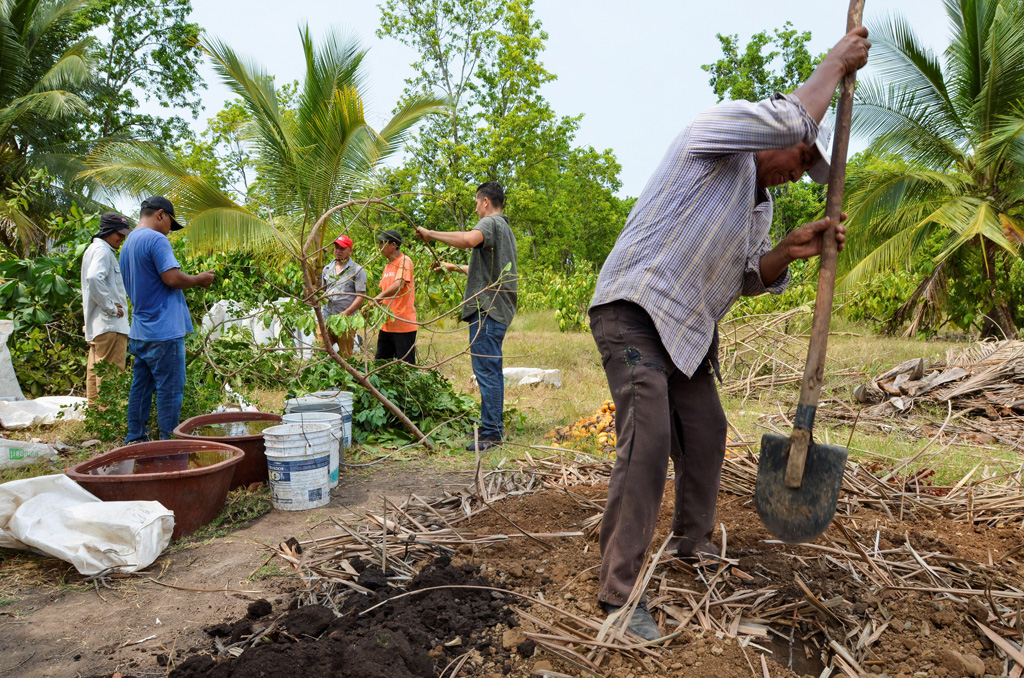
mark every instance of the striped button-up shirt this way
{"type": "Point", "coordinates": [693, 243]}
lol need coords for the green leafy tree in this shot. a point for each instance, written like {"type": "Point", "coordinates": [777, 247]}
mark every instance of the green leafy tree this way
{"type": "Point", "coordinates": [959, 127]}
{"type": "Point", "coordinates": [143, 50]}
{"type": "Point", "coordinates": [754, 74]}
{"type": "Point", "coordinates": [770, 63]}
{"type": "Point", "coordinates": [40, 79]}
{"type": "Point", "coordinates": [308, 161]}
{"type": "Point", "coordinates": [485, 56]}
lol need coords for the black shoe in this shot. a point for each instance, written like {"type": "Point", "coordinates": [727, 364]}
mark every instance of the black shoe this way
{"type": "Point", "coordinates": [706, 550]}
{"type": "Point", "coordinates": [483, 445]}
{"type": "Point", "coordinates": [640, 624]}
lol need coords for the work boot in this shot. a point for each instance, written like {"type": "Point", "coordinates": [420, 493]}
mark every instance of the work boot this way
{"type": "Point", "coordinates": [640, 624]}
{"type": "Point", "coordinates": [705, 549]}
{"type": "Point", "coordinates": [482, 445]}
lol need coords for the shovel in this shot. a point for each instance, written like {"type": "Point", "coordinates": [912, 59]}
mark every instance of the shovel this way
{"type": "Point", "coordinates": [798, 480]}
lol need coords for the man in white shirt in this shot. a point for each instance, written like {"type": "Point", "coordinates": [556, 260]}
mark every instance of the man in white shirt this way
{"type": "Point", "coordinates": [104, 299]}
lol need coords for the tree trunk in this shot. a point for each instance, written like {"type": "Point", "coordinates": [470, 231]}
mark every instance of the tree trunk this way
{"type": "Point", "coordinates": [1000, 315]}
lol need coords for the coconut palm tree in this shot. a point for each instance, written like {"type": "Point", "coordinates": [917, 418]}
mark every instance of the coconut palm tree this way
{"type": "Point", "coordinates": [308, 160]}
{"type": "Point", "coordinates": [959, 127]}
{"type": "Point", "coordinates": [37, 92]}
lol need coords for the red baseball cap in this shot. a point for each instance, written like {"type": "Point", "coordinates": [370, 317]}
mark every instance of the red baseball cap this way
{"type": "Point", "coordinates": [344, 241]}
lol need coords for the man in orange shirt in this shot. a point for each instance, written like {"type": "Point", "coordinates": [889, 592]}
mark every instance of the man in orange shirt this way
{"type": "Point", "coordinates": [397, 339]}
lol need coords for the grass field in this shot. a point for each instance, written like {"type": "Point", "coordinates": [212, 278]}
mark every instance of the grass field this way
{"type": "Point", "coordinates": [534, 341]}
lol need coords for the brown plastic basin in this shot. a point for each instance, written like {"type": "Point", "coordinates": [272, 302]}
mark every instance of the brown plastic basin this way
{"type": "Point", "coordinates": [253, 468]}
{"type": "Point", "coordinates": [161, 473]}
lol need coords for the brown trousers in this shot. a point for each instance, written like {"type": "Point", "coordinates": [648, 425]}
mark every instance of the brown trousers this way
{"type": "Point", "coordinates": [660, 414]}
{"type": "Point", "coordinates": [345, 342]}
{"type": "Point", "coordinates": [111, 347]}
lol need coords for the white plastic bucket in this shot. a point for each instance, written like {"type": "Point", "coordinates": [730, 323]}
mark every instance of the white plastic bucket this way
{"type": "Point", "coordinates": [345, 400]}
{"type": "Point", "coordinates": [328, 401]}
{"type": "Point", "coordinates": [301, 435]}
{"type": "Point", "coordinates": [299, 482]}
{"type": "Point", "coordinates": [332, 420]}
{"type": "Point", "coordinates": [311, 404]}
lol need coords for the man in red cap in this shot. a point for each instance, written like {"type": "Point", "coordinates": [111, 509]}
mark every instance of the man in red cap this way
{"type": "Point", "coordinates": [344, 285]}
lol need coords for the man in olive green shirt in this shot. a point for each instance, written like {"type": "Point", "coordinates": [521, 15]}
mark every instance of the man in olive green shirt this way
{"type": "Point", "coordinates": [489, 303]}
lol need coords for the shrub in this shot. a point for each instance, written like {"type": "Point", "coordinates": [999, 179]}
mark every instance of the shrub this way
{"type": "Point", "coordinates": [43, 297]}
{"type": "Point", "coordinates": [426, 397]}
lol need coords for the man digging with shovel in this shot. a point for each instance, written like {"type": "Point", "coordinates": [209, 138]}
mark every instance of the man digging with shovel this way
{"type": "Point", "coordinates": [696, 240]}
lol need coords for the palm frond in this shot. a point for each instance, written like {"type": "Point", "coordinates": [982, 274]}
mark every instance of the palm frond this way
{"type": "Point", "coordinates": [972, 219]}
{"type": "Point", "coordinates": [13, 75]}
{"type": "Point", "coordinates": [893, 253]}
{"type": "Point", "coordinates": [1003, 85]}
{"type": "Point", "coordinates": [71, 70]}
{"type": "Point", "coordinates": [53, 104]}
{"type": "Point", "coordinates": [42, 18]}
{"type": "Point", "coordinates": [906, 65]}
{"type": "Point", "coordinates": [970, 22]}
{"type": "Point", "coordinates": [900, 125]}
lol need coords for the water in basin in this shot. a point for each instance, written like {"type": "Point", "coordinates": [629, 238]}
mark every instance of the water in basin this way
{"type": "Point", "coordinates": [233, 429]}
{"type": "Point", "coordinates": [163, 464]}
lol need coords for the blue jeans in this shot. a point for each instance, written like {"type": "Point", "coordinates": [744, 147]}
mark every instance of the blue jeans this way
{"type": "Point", "coordinates": [159, 366]}
{"type": "Point", "coordinates": [485, 339]}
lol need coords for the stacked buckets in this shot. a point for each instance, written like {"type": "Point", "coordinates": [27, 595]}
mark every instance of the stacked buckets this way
{"type": "Point", "coordinates": [334, 421]}
{"type": "Point", "coordinates": [299, 464]}
{"type": "Point", "coordinates": [305, 452]}
{"type": "Point", "coordinates": [336, 402]}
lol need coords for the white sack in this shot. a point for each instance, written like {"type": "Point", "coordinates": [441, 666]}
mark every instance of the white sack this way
{"type": "Point", "coordinates": [41, 411]}
{"type": "Point", "coordinates": [520, 376]}
{"type": "Point", "coordinates": [55, 516]}
{"type": "Point", "coordinates": [15, 453]}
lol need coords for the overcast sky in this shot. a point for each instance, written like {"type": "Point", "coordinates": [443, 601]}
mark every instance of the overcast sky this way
{"type": "Point", "coordinates": [633, 69]}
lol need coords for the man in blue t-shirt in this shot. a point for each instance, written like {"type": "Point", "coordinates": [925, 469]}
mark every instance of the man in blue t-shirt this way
{"type": "Point", "coordinates": [160, 318]}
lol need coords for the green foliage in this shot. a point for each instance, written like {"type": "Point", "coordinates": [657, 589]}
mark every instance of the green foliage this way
{"type": "Point", "coordinates": [234, 355]}
{"type": "Point", "coordinates": [878, 301]}
{"type": "Point", "coordinates": [41, 74]}
{"type": "Point", "coordinates": [485, 56]}
{"type": "Point", "coordinates": [958, 127]}
{"type": "Point", "coordinates": [43, 297]}
{"type": "Point", "coordinates": [569, 294]}
{"type": "Point", "coordinates": [751, 73]}
{"type": "Point", "coordinates": [204, 391]}
{"type": "Point", "coordinates": [144, 50]}
{"type": "Point", "coordinates": [425, 396]}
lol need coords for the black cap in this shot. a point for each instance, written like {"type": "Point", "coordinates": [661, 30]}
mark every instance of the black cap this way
{"type": "Point", "coordinates": [113, 222]}
{"type": "Point", "coordinates": [390, 235]}
{"type": "Point", "coordinates": [158, 202]}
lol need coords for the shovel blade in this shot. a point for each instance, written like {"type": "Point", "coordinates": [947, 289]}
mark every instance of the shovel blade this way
{"type": "Point", "coordinates": [800, 515]}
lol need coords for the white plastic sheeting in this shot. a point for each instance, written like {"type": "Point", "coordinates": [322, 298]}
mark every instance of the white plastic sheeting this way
{"type": "Point", "coordinates": [262, 322]}
{"type": "Point", "coordinates": [54, 516]}
{"type": "Point", "coordinates": [521, 376]}
{"type": "Point", "coordinates": [10, 389]}
{"type": "Point", "coordinates": [15, 414]}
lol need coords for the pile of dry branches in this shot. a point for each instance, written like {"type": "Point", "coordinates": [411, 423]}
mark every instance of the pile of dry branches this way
{"type": "Point", "coordinates": [984, 381]}
{"type": "Point", "coordinates": [763, 352]}
{"type": "Point", "coordinates": [753, 605]}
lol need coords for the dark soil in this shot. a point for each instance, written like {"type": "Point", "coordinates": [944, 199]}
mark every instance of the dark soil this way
{"type": "Point", "coordinates": [411, 637]}
{"type": "Point", "coordinates": [924, 636]}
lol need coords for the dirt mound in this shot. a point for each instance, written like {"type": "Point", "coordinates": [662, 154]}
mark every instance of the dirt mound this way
{"type": "Point", "coordinates": [414, 636]}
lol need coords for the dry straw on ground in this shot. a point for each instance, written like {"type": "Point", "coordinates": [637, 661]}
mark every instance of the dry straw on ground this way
{"type": "Point", "coordinates": [751, 605]}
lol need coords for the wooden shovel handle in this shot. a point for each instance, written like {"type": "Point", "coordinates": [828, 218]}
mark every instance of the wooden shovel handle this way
{"type": "Point", "coordinates": [810, 389]}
